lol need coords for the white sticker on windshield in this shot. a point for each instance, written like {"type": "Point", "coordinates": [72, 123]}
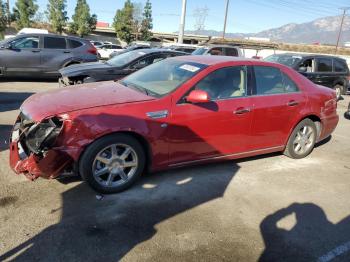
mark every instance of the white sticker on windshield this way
{"type": "Point", "coordinates": [142, 53]}
{"type": "Point", "coordinates": [190, 68]}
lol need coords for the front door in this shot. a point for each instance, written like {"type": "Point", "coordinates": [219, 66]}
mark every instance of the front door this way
{"type": "Point", "coordinates": [22, 58]}
{"type": "Point", "coordinates": [217, 128]}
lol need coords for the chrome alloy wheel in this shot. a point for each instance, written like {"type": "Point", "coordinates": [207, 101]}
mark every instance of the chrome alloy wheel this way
{"type": "Point", "coordinates": [115, 165]}
{"type": "Point", "coordinates": [304, 140]}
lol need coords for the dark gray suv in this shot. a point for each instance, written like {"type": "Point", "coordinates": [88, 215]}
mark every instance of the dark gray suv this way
{"type": "Point", "coordinates": [43, 55]}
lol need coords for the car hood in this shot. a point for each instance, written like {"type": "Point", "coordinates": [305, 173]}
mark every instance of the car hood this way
{"type": "Point", "coordinates": [64, 100]}
{"type": "Point", "coordinates": [82, 68]}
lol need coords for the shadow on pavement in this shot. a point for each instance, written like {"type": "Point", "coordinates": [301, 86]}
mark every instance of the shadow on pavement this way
{"type": "Point", "coordinates": [5, 131]}
{"type": "Point", "coordinates": [312, 238]}
{"type": "Point", "coordinates": [107, 229]}
{"type": "Point", "coordinates": [12, 100]}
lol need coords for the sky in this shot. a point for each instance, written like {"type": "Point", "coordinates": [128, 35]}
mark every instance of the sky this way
{"type": "Point", "coordinates": [244, 16]}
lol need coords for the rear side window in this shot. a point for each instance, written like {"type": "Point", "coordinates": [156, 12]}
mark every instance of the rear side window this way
{"type": "Point", "coordinates": [74, 44]}
{"type": "Point", "coordinates": [270, 80]}
{"type": "Point", "coordinates": [54, 42]}
{"type": "Point", "coordinates": [324, 65]}
{"type": "Point", "coordinates": [231, 52]}
{"type": "Point", "coordinates": [339, 66]}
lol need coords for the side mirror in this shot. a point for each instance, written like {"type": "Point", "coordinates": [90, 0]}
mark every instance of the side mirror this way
{"type": "Point", "coordinates": [198, 96]}
{"type": "Point", "coordinates": [302, 69]}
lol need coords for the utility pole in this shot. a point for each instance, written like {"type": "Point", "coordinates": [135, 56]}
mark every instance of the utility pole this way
{"type": "Point", "coordinates": [8, 13]}
{"type": "Point", "coordinates": [341, 27]}
{"type": "Point", "coordinates": [182, 22]}
{"type": "Point", "coordinates": [225, 21]}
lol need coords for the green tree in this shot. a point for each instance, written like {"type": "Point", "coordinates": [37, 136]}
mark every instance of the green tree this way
{"type": "Point", "coordinates": [57, 15]}
{"type": "Point", "coordinates": [83, 23]}
{"type": "Point", "coordinates": [3, 18]}
{"type": "Point", "coordinates": [24, 12]}
{"type": "Point", "coordinates": [124, 22]}
{"type": "Point", "coordinates": [147, 22]}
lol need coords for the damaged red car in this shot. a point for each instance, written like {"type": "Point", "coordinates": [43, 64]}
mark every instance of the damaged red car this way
{"type": "Point", "coordinates": [177, 112]}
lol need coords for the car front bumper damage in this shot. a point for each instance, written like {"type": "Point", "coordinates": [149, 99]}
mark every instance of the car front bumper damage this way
{"type": "Point", "coordinates": [32, 150]}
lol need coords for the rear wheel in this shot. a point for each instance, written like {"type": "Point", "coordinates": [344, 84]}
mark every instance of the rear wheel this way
{"type": "Point", "coordinates": [302, 140]}
{"type": "Point", "coordinates": [338, 91]}
{"type": "Point", "coordinates": [113, 163]}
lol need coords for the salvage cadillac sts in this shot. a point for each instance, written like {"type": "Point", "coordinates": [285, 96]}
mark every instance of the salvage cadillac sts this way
{"type": "Point", "coordinates": [180, 111]}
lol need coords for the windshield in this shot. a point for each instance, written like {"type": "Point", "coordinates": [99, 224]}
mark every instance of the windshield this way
{"type": "Point", "coordinates": [125, 58]}
{"type": "Point", "coordinates": [163, 77]}
{"type": "Point", "coordinates": [199, 51]}
{"type": "Point", "coordinates": [288, 60]}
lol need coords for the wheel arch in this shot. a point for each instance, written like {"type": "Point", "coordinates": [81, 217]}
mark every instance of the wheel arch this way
{"type": "Point", "coordinates": [313, 117]}
{"type": "Point", "coordinates": [141, 139]}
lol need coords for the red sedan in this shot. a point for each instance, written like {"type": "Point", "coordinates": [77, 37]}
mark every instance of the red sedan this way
{"type": "Point", "coordinates": [176, 112]}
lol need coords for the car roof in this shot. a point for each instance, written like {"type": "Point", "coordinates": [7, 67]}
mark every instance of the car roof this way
{"type": "Point", "coordinates": [215, 45]}
{"type": "Point", "coordinates": [212, 60]}
{"type": "Point", "coordinates": [157, 50]}
{"type": "Point", "coordinates": [309, 55]}
{"type": "Point", "coordinates": [53, 35]}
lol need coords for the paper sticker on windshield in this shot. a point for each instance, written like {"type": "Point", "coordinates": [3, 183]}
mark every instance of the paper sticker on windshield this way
{"type": "Point", "coordinates": [142, 53]}
{"type": "Point", "coordinates": [190, 68]}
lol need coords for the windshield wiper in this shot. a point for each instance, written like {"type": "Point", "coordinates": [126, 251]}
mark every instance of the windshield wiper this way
{"type": "Point", "coordinates": [133, 86]}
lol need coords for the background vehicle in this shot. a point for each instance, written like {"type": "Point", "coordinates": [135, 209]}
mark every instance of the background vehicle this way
{"type": "Point", "coordinates": [183, 48]}
{"type": "Point", "coordinates": [347, 113]}
{"type": "Point", "coordinates": [96, 44]}
{"type": "Point", "coordinates": [105, 50]}
{"type": "Point", "coordinates": [128, 49]}
{"type": "Point", "coordinates": [115, 68]}
{"type": "Point", "coordinates": [177, 112]}
{"type": "Point", "coordinates": [42, 55]}
{"type": "Point", "coordinates": [225, 50]}
{"type": "Point", "coordinates": [323, 70]}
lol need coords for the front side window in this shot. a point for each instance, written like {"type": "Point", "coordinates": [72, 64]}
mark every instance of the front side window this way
{"type": "Point", "coordinates": [270, 80]}
{"type": "Point", "coordinates": [54, 43]}
{"type": "Point", "coordinates": [26, 42]}
{"type": "Point", "coordinates": [324, 65]}
{"type": "Point", "coordinates": [308, 65]}
{"type": "Point", "coordinates": [163, 77]}
{"type": "Point", "coordinates": [225, 83]}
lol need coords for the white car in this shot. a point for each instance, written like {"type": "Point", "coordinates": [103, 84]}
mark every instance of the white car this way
{"type": "Point", "coordinates": [104, 51]}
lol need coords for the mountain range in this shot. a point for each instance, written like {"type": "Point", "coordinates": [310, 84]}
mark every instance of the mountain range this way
{"type": "Point", "coordinates": [323, 30]}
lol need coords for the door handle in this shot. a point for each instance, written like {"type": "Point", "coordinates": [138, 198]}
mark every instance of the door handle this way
{"type": "Point", "coordinates": [35, 51]}
{"type": "Point", "coordinates": [292, 103]}
{"type": "Point", "coordinates": [66, 52]}
{"type": "Point", "coordinates": [241, 111]}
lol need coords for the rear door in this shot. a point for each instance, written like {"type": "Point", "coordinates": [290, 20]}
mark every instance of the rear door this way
{"type": "Point", "coordinates": [22, 58]}
{"type": "Point", "coordinates": [277, 102]}
{"type": "Point", "coordinates": [54, 53]}
{"type": "Point", "coordinates": [324, 72]}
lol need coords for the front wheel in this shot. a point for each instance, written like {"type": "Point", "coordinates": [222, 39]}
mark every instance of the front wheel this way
{"type": "Point", "coordinates": [302, 140]}
{"type": "Point", "coordinates": [112, 163]}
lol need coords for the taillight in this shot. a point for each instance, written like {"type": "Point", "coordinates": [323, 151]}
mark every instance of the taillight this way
{"type": "Point", "coordinates": [92, 50]}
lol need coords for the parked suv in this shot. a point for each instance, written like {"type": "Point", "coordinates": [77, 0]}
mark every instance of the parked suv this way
{"type": "Point", "coordinates": [43, 54]}
{"type": "Point", "coordinates": [225, 50]}
{"type": "Point", "coordinates": [323, 70]}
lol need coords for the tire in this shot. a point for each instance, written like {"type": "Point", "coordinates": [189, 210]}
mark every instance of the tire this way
{"type": "Point", "coordinates": [339, 91]}
{"type": "Point", "coordinates": [302, 140]}
{"type": "Point", "coordinates": [108, 167]}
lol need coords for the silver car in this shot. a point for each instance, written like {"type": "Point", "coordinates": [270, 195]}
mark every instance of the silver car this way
{"type": "Point", "coordinates": [29, 55]}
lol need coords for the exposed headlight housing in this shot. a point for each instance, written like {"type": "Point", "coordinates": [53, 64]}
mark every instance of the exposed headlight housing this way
{"type": "Point", "coordinates": [38, 137]}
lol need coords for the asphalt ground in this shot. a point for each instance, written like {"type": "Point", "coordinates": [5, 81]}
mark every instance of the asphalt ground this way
{"type": "Point", "coordinates": [267, 208]}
